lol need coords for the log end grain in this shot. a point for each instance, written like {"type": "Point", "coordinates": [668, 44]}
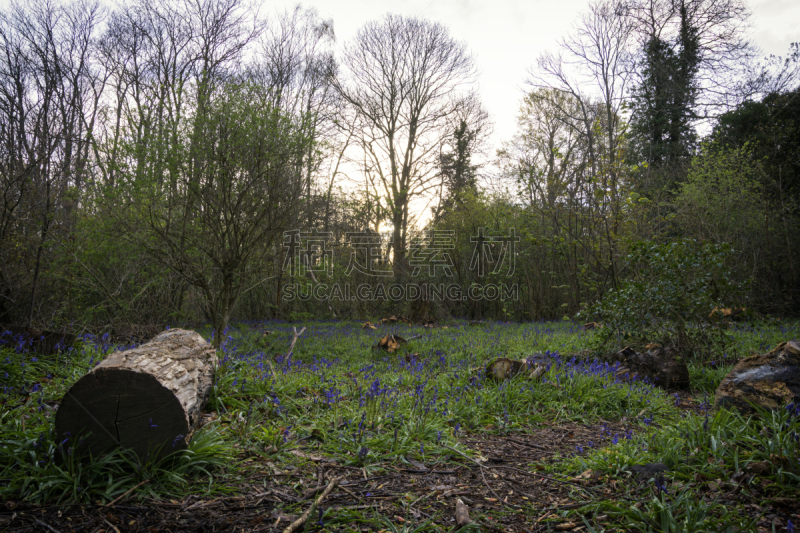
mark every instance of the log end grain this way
{"type": "Point", "coordinates": [146, 399]}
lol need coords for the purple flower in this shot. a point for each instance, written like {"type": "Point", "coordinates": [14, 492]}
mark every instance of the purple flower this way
{"type": "Point", "coordinates": [661, 485]}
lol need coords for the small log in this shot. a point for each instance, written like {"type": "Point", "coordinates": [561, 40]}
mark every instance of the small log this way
{"type": "Point", "coordinates": [40, 341]}
{"type": "Point", "coordinates": [145, 400]}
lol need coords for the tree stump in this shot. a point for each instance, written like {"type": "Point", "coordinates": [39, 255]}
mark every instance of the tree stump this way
{"type": "Point", "coordinates": [145, 400]}
{"type": "Point", "coordinates": [769, 380]}
{"type": "Point", "coordinates": [662, 366]}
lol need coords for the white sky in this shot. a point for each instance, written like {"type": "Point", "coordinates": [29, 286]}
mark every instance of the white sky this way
{"type": "Point", "coordinates": [506, 36]}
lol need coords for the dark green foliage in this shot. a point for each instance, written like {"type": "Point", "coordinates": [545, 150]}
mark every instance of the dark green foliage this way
{"type": "Point", "coordinates": [771, 129]}
{"type": "Point", "coordinates": [670, 295]}
{"type": "Point", "coordinates": [456, 167]}
{"type": "Point", "coordinates": [663, 103]}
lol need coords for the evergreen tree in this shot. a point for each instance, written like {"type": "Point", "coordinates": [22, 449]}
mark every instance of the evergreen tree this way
{"type": "Point", "coordinates": [458, 173]}
{"type": "Point", "coordinates": [663, 103]}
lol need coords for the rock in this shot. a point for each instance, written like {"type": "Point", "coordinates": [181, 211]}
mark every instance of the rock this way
{"type": "Point", "coordinates": [769, 380]}
{"type": "Point", "coordinates": [663, 367]}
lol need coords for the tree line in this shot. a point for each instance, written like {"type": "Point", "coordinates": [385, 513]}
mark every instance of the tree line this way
{"type": "Point", "coordinates": [188, 160]}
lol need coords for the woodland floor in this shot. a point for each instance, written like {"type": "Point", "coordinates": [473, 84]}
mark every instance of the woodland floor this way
{"type": "Point", "coordinates": [520, 478]}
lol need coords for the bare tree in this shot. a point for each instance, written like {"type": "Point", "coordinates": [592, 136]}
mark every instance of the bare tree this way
{"type": "Point", "coordinates": [294, 59]}
{"type": "Point", "coordinates": [405, 78]}
{"type": "Point", "coordinates": [592, 72]}
{"type": "Point", "coordinates": [49, 94]}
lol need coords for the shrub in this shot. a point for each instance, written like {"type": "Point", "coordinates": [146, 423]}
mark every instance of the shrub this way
{"type": "Point", "coordinates": [670, 296]}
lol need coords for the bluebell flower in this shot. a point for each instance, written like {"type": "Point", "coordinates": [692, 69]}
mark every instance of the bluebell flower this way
{"type": "Point", "coordinates": [661, 485]}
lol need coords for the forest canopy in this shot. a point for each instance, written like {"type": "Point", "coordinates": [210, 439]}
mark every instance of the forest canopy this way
{"type": "Point", "coordinates": [199, 161]}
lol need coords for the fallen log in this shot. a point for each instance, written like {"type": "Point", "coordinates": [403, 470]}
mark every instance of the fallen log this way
{"type": "Point", "coordinates": [39, 341]}
{"type": "Point", "coordinates": [145, 400]}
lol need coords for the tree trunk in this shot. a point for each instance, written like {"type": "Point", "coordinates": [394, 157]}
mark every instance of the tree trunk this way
{"type": "Point", "coordinates": [145, 400]}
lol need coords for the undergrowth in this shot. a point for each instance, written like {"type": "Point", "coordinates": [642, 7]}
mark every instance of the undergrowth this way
{"type": "Point", "coordinates": [367, 407]}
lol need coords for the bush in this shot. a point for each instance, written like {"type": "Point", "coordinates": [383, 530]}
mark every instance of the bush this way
{"type": "Point", "coordinates": [670, 296]}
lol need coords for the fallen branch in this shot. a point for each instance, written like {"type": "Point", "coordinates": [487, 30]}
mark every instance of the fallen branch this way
{"type": "Point", "coordinates": [296, 335]}
{"type": "Point", "coordinates": [294, 526]}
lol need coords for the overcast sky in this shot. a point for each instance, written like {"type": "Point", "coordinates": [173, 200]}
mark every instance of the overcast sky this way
{"type": "Point", "coordinates": [506, 36]}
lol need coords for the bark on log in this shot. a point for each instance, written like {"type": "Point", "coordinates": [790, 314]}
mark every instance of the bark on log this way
{"type": "Point", "coordinates": [146, 399]}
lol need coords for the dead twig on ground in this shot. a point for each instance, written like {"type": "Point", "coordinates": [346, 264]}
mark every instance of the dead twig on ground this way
{"type": "Point", "coordinates": [296, 335]}
{"type": "Point", "coordinates": [119, 498]}
{"type": "Point", "coordinates": [294, 526]}
{"type": "Point", "coordinates": [112, 526]}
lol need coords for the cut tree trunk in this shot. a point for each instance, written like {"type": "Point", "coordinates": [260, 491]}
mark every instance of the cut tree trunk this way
{"type": "Point", "coordinates": [145, 400]}
{"type": "Point", "coordinates": [770, 381]}
{"type": "Point", "coordinates": [662, 367]}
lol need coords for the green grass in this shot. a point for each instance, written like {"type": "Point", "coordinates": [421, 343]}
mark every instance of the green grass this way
{"type": "Point", "coordinates": [367, 408]}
